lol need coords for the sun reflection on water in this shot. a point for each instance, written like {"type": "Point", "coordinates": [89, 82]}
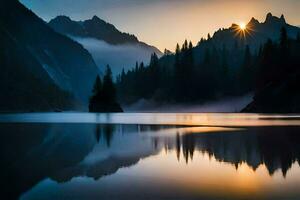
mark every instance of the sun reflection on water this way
{"type": "Point", "coordinates": [206, 175]}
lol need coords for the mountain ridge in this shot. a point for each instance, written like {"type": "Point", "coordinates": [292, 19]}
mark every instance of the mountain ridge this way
{"type": "Point", "coordinates": [95, 28]}
{"type": "Point", "coordinates": [256, 32]}
{"type": "Point", "coordinates": [229, 64]}
{"type": "Point", "coordinates": [105, 42]}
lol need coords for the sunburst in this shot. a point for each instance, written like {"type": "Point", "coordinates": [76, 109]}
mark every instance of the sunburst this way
{"type": "Point", "coordinates": [243, 26]}
{"type": "Point", "coordinates": [242, 30]}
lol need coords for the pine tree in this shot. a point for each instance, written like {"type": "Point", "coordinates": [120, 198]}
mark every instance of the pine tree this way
{"type": "Point", "coordinates": [142, 66]}
{"type": "Point", "coordinates": [136, 66]}
{"type": "Point", "coordinates": [190, 45]}
{"type": "Point", "coordinates": [109, 90]}
{"type": "Point", "coordinates": [97, 89]}
{"type": "Point", "coordinates": [154, 60]}
{"type": "Point", "coordinates": [208, 37]}
{"type": "Point", "coordinates": [184, 46]}
{"type": "Point", "coordinates": [177, 72]}
{"type": "Point", "coordinates": [123, 75]}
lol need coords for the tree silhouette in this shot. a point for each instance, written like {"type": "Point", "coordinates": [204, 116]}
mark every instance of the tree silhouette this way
{"type": "Point", "coordinates": [208, 37]}
{"type": "Point", "coordinates": [109, 91]}
{"type": "Point", "coordinates": [97, 89]}
{"type": "Point", "coordinates": [104, 95]}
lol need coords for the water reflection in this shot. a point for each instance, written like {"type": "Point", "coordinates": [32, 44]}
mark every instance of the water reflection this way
{"type": "Point", "coordinates": [39, 157]}
{"type": "Point", "coordinates": [276, 148]}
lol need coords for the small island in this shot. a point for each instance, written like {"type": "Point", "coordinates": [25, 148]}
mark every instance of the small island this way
{"type": "Point", "coordinates": [103, 99]}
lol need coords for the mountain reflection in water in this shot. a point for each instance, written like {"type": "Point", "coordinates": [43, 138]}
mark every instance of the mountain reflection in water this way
{"type": "Point", "coordinates": [50, 161]}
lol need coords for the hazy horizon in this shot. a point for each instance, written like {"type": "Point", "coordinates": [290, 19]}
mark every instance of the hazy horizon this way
{"type": "Point", "coordinates": [153, 21]}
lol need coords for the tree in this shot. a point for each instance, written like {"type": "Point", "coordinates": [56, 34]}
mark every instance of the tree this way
{"type": "Point", "coordinates": [190, 45]}
{"type": "Point", "coordinates": [104, 94]}
{"type": "Point", "coordinates": [108, 90]}
{"type": "Point", "coordinates": [142, 66]}
{"type": "Point", "coordinates": [97, 89]}
{"type": "Point", "coordinates": [184, 46]}
{"type": "Point", "coordinates": [208, 37]}
{"type": "Point", "coordinates": [178, 72]}
{"type": "Point", "coordinates": [136, 66]}
{"type": "Point", "coordinates": [123, 75]}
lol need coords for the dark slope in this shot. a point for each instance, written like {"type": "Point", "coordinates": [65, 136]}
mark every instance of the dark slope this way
{"type": "Point", "coordinates": [277, 97]}
{"type": "Point", "coordinates": [24, 85]}
{"type": "Point", "coordinates": [65, 62]}
{"type": "Point", "coordinates": [280, 91]}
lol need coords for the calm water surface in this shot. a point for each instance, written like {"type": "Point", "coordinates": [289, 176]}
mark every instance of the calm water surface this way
{"type": "Point", "coordinates": [150, 156]}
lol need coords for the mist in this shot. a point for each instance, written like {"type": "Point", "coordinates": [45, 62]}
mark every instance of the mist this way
{"type": "Point", "coordinates": [117, 56]}
{"type": "Point", "coordinates": [228, 104]}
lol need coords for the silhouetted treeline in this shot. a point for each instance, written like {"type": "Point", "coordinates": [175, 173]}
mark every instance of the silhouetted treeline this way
{"type": "Point", "coordinates": [188, 77]}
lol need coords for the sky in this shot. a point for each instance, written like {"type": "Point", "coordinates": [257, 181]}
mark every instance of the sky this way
{"type": "Point", "coordinates": [164, 23]}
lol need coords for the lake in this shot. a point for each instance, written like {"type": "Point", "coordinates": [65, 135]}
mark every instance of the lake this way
{"type": "Point", "coordinates": [150, 156]}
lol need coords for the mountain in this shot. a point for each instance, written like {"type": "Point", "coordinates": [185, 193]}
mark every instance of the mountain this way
{"type": "Point", "coordinates": [229, 64]}
{"type": "Point", "coordinates": [93, 28]}
{"type": "Point", "coordinates": [37, 57]}
{"type": "Point", "coordinates": [105, 42]}
{"type": "Point", "coordinates": [256, 33]}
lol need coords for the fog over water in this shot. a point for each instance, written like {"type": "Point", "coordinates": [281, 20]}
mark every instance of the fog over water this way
{"type": "Point", "coordinates": [227, 104]}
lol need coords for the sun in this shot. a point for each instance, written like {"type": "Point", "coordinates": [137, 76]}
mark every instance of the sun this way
{"type": "Point", "coordinates": [243, 30]}
{"type": "Point", "coordinates": [243, 26]}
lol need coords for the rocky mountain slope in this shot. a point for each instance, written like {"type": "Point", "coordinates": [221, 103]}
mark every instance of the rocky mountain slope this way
{"type": "Point", "coordinates": [35, 57]}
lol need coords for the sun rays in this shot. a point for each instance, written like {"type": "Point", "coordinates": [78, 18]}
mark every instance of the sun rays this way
{"type": "Point", "coordinates": [243, 26]}
{"type": "Point", "coordinates": [243, 30]}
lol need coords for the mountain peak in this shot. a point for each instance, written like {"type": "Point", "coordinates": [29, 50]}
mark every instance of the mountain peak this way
{"type": "Point", "coordinates": [253, 21]}
{"type": "Point", "coordinates": [282, 18]}
{"type": "Point", "coordinates": [62, 18]}
{"type": "Point", "coordinates": [269, 16]}
{"type": "Point", "coordinates": [96, 18]}
{"type": "Point", "coordinates": [273, 19]}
